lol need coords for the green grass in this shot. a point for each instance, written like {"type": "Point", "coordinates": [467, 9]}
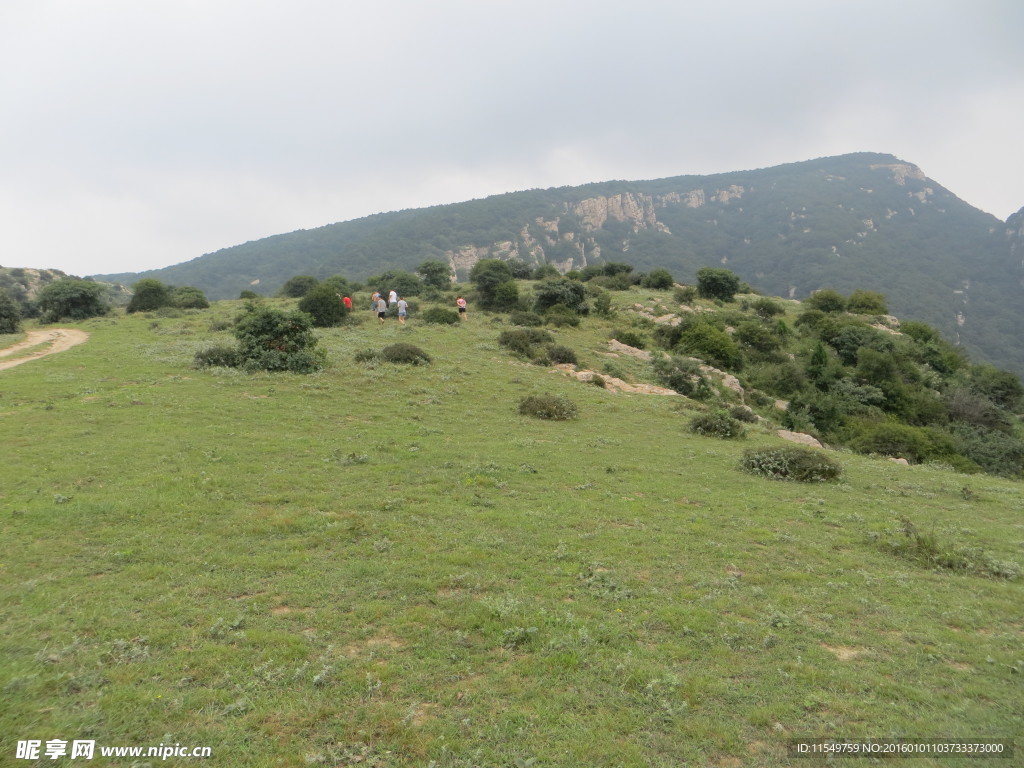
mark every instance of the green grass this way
{"type": "Point", "coordinates": [387, 565]}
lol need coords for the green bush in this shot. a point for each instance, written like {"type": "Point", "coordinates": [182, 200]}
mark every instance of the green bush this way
{"type": "Point", "coordinates": [826, 300]}
{"type": "Point", "coordinates": [148, 294]}
{"type": "Point", "coordinates": [570, 293]}
{"type": "Point", "coordinates": [298, 286]}
{"type": "Point", "coordinates": [273, 340]}
{"type": "Point", "coordinates": [223, 356]}
{"type": "Point", "coordinates": [685, 295]}
{"type": "Point", "coordinates": [324, 305]}
{"type": "Point", "coordinates": [703, 340]}
{"type": "Point", "coordinates": [560, 355]}
{"type": "Point", "coordinates": [743, 413]}
{"type": "Point", "coordinates": [682, 375]}
{"type": "Point", "coordinates": [188, 297]}
{"type": "Point", "coordinates": [928, 550]}
{"type": "Point", "coordinates": [10, 314]}
{"type": "Point", "coordinates": [867, 303]}
{"type": "Point", "coordinates": [657, 279]}
{"type": "Point", "coordinates": [791, 462]}
{"type": "Point", "coordinates": [631, 339]}
{"type": "Point", "coordinates": [716, 424]}
{"type": "Point", "coordinates": [528, 319]}
{"type": "Point", "coordinates": [561, 316]}
{"type": "Point", "coordinates": [528, 342]}
{"type": "Point", "coordinates": [916, 444]}
{"type": "Point", "coordinates": [551, 407]}
{"type": "Point", "coordinates": [72, 298]}
{"type": "Point", "coordinates": [715, 283]}
{"type": "Point", "coordinates": [767, 309]}
{"type": "Point", "coordinates": [404, 354]}
{"type": "Point", "coordinates": [440, 316]}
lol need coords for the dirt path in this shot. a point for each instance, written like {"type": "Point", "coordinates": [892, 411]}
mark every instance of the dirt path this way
{"type": "Point", "coordinates": [56, 339]}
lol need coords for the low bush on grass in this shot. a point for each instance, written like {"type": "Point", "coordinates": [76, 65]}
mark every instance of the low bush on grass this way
{"type": "Point", "coordinates": [272, 340]}
{"type": "Point", "coordinates": [527, 319]}
{"type": "Point", "coordinates": [404, 354]}
{"type": "Point", "coordinates": [528, 342]}
{"type": "Point", "coordinates": [551, 407]}
{"type": "Point", "coordinates": [716, 424]}
{"type": "Point", "coordinates": [926, 549]}
{"type": "Point", "coordinates": [743, 413]}
{"type": "Point", "coordinates": [791, 462]}
{"type": "Point", "coordinates": [440, 316]}
{"type": "Point", "coordinates": [559, 355]}
{"type": "Point", "coordinates": [560, 316]}
{"type": "Point", "coordinates": [222, 356]}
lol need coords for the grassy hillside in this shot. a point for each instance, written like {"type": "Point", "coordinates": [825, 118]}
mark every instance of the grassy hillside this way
{"type": "Point", "coordinates": [383, 565]}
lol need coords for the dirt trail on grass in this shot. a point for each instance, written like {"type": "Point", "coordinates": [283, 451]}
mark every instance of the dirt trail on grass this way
{"type": "Point", "coordinates": [56, 339]}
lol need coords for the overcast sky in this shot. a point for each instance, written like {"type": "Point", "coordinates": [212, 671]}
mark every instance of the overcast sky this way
{"type": "Point", "coordinates": [136, 135]}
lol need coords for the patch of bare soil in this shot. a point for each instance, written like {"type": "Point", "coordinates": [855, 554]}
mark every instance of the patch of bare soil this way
{"type": "Point", "coordinates": [50, 341]}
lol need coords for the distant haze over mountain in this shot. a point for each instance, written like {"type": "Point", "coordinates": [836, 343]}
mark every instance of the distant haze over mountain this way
{"type": "Point", "coordinates": [862, 220]}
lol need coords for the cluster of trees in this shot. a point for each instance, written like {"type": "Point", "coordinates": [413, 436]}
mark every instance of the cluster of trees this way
{"type": "Point", "coordinates": [150, 294]}
{"type": "Point", "coordinates": [66, 298]}
{"type": "Point", "coordinates": [853, 381]}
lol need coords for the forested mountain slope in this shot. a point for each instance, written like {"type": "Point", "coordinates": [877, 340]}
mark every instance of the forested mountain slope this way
{"type": "Point", "coordinates": [864, 220]}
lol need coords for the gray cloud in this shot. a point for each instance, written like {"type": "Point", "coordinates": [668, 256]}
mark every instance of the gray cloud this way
{"type": "Point", "coordinates": [145, 134]}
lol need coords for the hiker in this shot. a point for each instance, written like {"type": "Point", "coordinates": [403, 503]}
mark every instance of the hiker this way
{"type": "Point", "coordinates": [373, 301]}
{"type": "Point", "coordinates": [347, 301]}
{"type": "Point", "coordinates": [392, 298]}
{"type": "Point", "coordinates": [461, 304]}
{"type": "Point", "coordinates": [403, 308]}
{"type": "Point", "coordinates": [382, 309]}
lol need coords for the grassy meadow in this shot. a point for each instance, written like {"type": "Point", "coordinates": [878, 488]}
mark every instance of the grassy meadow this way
{"type": "Point", "coordinates": [384, 565]}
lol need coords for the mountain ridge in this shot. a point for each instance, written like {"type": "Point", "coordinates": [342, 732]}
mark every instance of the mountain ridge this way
{"type": "Point", "coordinates": [863, 220]}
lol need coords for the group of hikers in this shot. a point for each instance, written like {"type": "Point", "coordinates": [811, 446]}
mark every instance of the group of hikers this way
{"type": "Point", "coordinates": [380, 306]}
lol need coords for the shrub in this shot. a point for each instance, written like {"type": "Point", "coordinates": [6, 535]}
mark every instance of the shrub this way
{"type": "Point", "coordinates": [324, 305]}
{"type": "Point", "coordinates": [440, 316]}
{"type": "Point", "coordinates": [529, 319]}
{"type": "Point", "coordinates": [717, 424]}
{"type": "Point", "coordinates": [561, 316]}
{"type": "Point", "coordinates": [867, 303]}
{"type": "Point", "coordinates": [551, 407]}
{"type": "Point", "coordinates": [273, 340]}
{"type": "Point", "coordinates": [717, 283]}
{"type": "Point", "coordinates": [560, 355]}
{"type": "Point", "coordinates": [631, 339]}
{"type": "Point", "coordinates": [704, 340]}
{"type": "Point", "coordinates": [247, 294]}
{"type": "Point", "coordinates": [188, 297]}
{"type": "Point", "coordinates": [223, 356]}
{"type": "Point", "coordinates": [506, 297]}
{"type": "Point", "coordinates": [915, 444]}
{"type": "Point", "coordinates": [657, 279]}
{"type": "Point", "coordinates": [743, 413]}
{"type": "Point", "coordinates": [826, 300]}
{"type": "Point", "coordinates": [366, 356]}
{"type": "Point", "coordinates": [298, 286]}
{"type": "Point", "coordinates": [72, 298]}
{"type": "Point", "coordinates": [767, 309]}
{"type": "Point", "coordinates": [148, 294]}
{"type": "Point", "coordinates": [685, 295]}
{"type": "Point", "coordinates": [682, 375]}
{"type": "Point", "coordinates": [570, 293]}
{"type": "Point", "coordinates": [404, 354]}
{"type": "Point", "coordinates": [791, 462]}
{"type": "Point", "coordinates": [528, 342]}
{"type": "Point", "coordinates": [928, 550]}
{"type": "Point", "coordinates": [10, 314]}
